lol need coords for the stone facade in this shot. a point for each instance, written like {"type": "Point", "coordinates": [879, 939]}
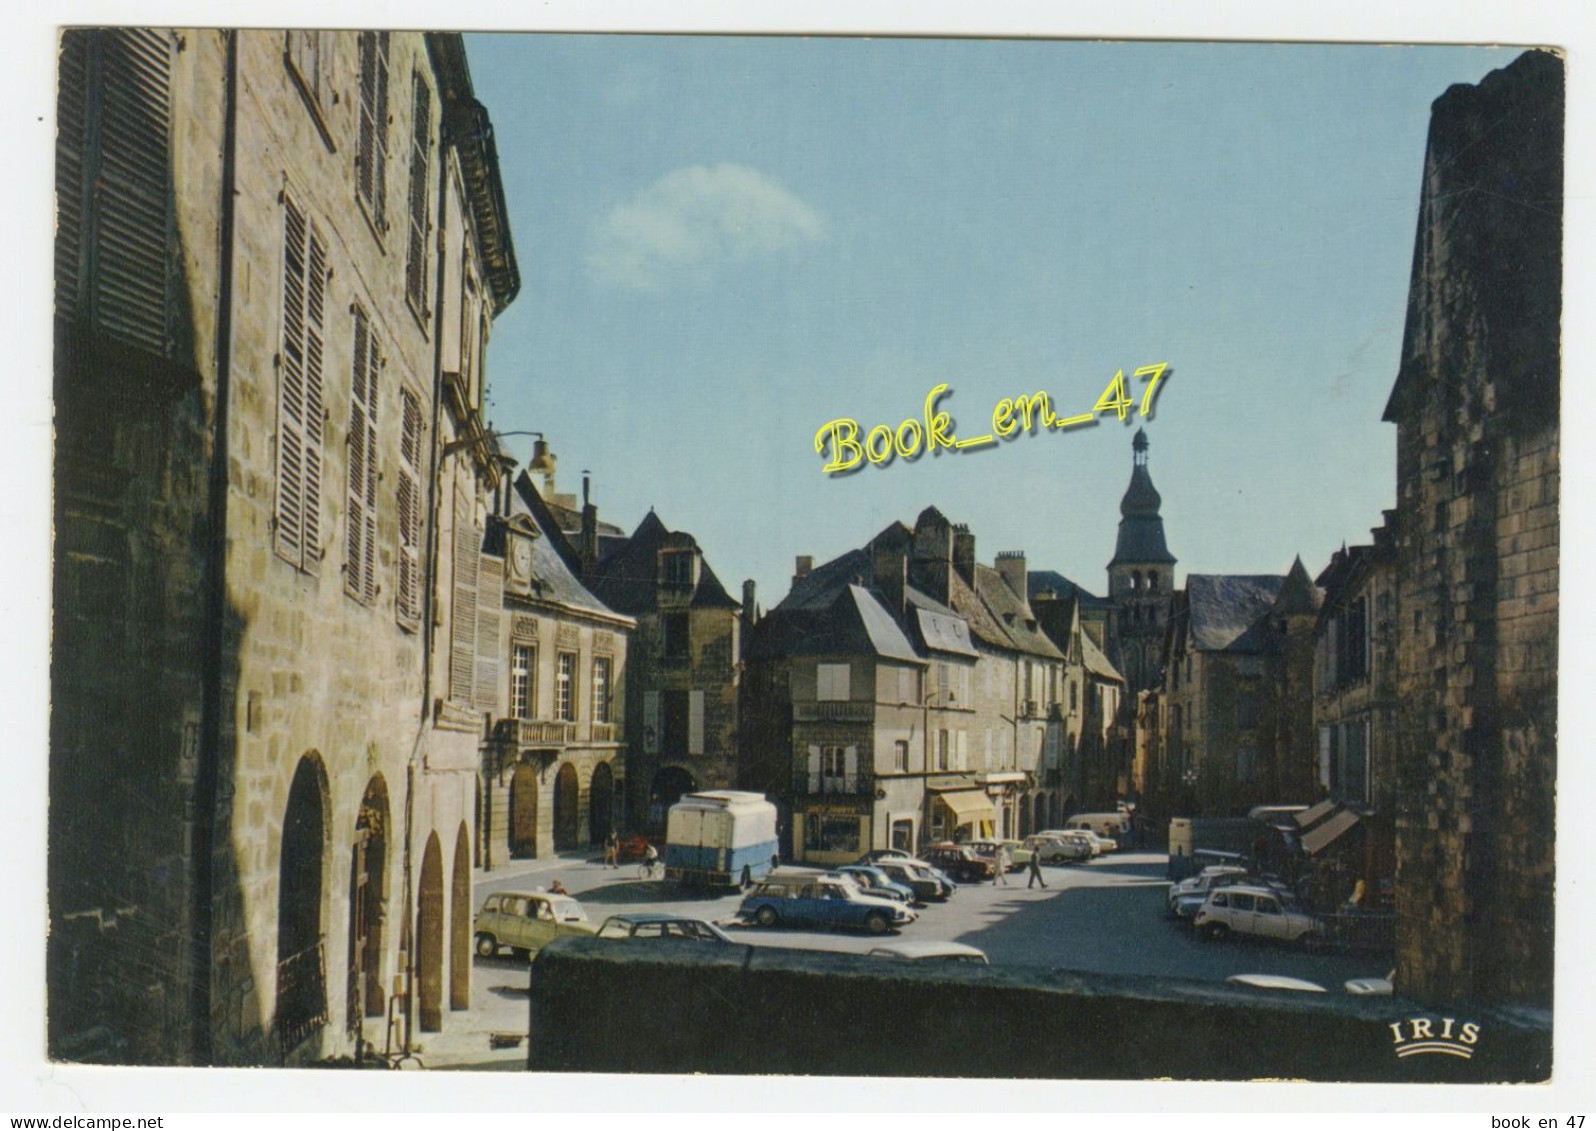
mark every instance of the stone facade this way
{"type": "Point", "coordinates": [261, 792]}
{"type": "Point", "coordinates": [554, 776]}
{"type": "Point", "coordinates": [1476, 405]}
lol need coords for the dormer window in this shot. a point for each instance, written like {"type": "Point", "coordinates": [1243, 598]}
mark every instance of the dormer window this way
{"type": "Point", "coordinates": [677, 569]}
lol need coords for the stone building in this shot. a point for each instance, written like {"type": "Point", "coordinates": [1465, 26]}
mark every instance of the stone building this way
{"type": "Point", "coordinates": [1354, 708]}
{"type": "Point", "coordinates": [1476, 406]}
{"type": "Point", "coordinates": [1095, 769]}
{"type": "Point", "coordinates": [553, 778]}
{"type": "Point", "coordinates": [900, 694]}
{"type": "Point", "coordinates": [1235, 710]}
{"type": "Point", "coordinates": [278, 257]}
{"type": "Point", "coordinates": [682, 695]}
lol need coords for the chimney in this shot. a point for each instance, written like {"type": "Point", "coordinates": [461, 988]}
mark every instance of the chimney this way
{"type": "Point", "coordinates": [1011, 565]}
{"type": "Point", "coordinates": [889, 574]}
{"type": "Point", "coordinates": [931, 570]}
{"type": "Point", "coordinates": [964, 553]}
{"type": "Point", "coordinates": [588, 550]}
{"type": "Point", "coordinates": [802, 566]}
{"type": "Point", "coordinates": [750, 610]}
{"type": "Point", "coordinates": [543, 464]}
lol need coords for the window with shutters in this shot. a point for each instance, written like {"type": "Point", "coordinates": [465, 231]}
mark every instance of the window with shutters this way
{"type": "Point", "coordinates": [523, 687]}
{"type": "Point", "coordinates": [565, 688]}
{"type": "Point", "coordinates": [412, 425]}
{"type": "Point", "coordinates": [360, 560]}
{"type": "Point", "coordinates": [832, 682]}
{"type": "Point", "coordinates": [308, 53]}
{"type": "Point", "coordinates": [490, 613]}
{"type": "Point", "coordinates": [467, 543]}
{"type": "Point", "coordinates": [300, 407]}
{"type": "Point", "coordinates": [675, 628]}
{"type": "Point", "coordinates": [371, 138]}
{"type": "Point", "coordinates": [420, 155]}
{"type": "Point", "coordinates": [900, 755]}
{"type": "Point", "coordinates": [113, 184]}
{"type": "Point", "coordinates": [601, 689]}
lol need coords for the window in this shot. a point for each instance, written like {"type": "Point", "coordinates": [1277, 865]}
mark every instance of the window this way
{"type": "Point", "coordinates": [565, 688]}
{"type": "Point", "coordinates": [523, 686]}
{"type": "Point", "coordinates": [420, 151]}
{"type": "Point", "coordinates": [113, 171]}
{"type": "Point", "coordinates": [831, 834]}
{"type": "Point", "coordinates": [601, 689]}
{"type": "Point", "coordinates": [371, 139]}
{"type": "Point", "coordinates": [1247, 709]}
{"type": "Point", "coordinates": [360, 543]}
{"type": "Point", "coordinates": [408, 602]}
{"type": "Point", "coordinates": [907, 692]}
{"type": "Point", "coordinates": [1241, 901]}
{"type": "Point", "coordinates": [834, 769]}
{"type": "Point", "coordinates": [676, 569]}
{"type": "Point", "coordinates": [309, 56]}
{"type": "Point", "coordinates": [1152, 583]}
{"type": "Point", "coordinates": [674, 628]}
{"type": "Point", "coordinates": [831, 682]}
{"type": "Point", "coordinates": [476, 610]}
{"type": "Point", "coordinates": [1246, 763]}
{"type": "Point", "coordinates": [900, 755]}
{"type": "Point", "coordinates": [1072, 696]}
{"type": "Point", "coordinates": [1267, 906]}
{"type": "Point", "coordinates": [942, 750]}
{"type": "Point", "coordinates": [299, 391]}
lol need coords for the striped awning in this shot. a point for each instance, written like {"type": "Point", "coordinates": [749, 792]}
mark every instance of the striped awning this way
{"type": "Point", "coordinates": [1316, 841]}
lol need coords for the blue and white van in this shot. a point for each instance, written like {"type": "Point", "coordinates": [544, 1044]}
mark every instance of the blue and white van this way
{"type": "Point", "coordinates": [720, 838]}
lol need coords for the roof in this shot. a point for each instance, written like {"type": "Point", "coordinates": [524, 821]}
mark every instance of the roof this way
{"type": "Point", "coordinates": [1012, 614]}
{"type": "Point", "coordinates": [1222, 607]}
{"type": "Point", "coordinates": [944, 632]}
{"type": "Point", "coordinates": [1318, 839]}
{"type": "Point", "coordinates": [552, 577]}
{"type": "Point", "coordinates": [1040, 580]}
{"type": "Point", "coordinates": [1096, 662]}
{"type": "Point", "coordinates": [627, 579]}
{"type": "Point", "coordinates": [854, 624]}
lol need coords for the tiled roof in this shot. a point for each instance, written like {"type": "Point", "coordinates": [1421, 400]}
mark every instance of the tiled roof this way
{"type": "Point", "coordinates": [1096, 662]}
{"type": "Point", "coordinates": [1013, 614]}
{"type": "Point", "coordinates": [1038, 580]}
{"type": "Point", "coordinates": [627, 578]}
{"type": "Point", "coordinates": [1222, 607]}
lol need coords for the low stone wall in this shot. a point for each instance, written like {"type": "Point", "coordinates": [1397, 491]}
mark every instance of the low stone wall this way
{"type": "Point", "coordinates": [604, 1006]}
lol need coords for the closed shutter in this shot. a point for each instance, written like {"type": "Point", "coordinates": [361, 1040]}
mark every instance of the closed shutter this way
{"type": "Point", "coordinates": [814, 769]}
{"type": "Point", "coordinates": [490, 612]}
{"type": "Point", "coordinates": [299, 385]}
{"type": "Point", "coordinates": [695, 722]}
{"type": "Point", "coordinates": [964, 750]}
{"type": "Point", "coordinates": [850, 764]}
{"type": "Point", "coordinates": [651, 722]}
{"type": "Point", "coordinates": [371, 139]}
{"type": "Point", "coordinates": [420, 148]}
{"type": "Point", "coordinates": [360, 565]}
{"type": "Point", "coordinates": [408, 605]}
{"type": "Point", "coordinates": [71, 143]}
{"type": "Point", "coordinates": [463, 614]}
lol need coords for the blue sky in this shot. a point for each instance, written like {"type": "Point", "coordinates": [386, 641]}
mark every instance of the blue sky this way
{"type": "Point", "coordinates": [727, 242]}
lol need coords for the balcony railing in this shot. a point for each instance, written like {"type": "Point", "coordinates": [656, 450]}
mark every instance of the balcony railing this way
{"type": "Point", "coordinates": [833, 712]}
{"type": "Point", "coordinates": [301, 997]}
{"type": "Point", "coordinates": [833, 785]}
{"type": "Point", "coordinates": [603, 732]}
{"type": "Point", "coordinates": [523, 733]}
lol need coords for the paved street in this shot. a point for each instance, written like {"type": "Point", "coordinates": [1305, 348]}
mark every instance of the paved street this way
{"type": "Point", "coordinates": [1104, 917]}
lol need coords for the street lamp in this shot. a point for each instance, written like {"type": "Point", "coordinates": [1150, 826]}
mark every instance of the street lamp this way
{"type": "Point", "coordinates": [481, 438]}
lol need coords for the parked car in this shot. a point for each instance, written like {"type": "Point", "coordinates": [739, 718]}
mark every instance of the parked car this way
{"type": "Point", "coordinates": [657, 925]}
{"type": "Point", "coordinates": [873, 881]}
{"type": "Point", "coordinates": [875, 855]}
{"type": "Point", "coordinates": [930, 950]}
{"type": "Point", "coordinates": [1188, 895]}
{"type": "Point", "coordinates": [527, 921]}
{"type": "Point", "coordinates": [926, 882]}
{"type": "Point", "coordinates": [1060, 847]}
{"type": "Point", "coordinates": [820, 901]}
{"type": "Point", "coordinates": [1006, 850]}
{"type": "Point", "coordinates": [1100, 844]}
{"type": "Point", "coordinates": [1258, 911]}
{"type": "Point", "coordinates": [1372, 987]}
{"type": "Point", "coordinates": [1275, 982]}
{"type": "Point", "coordinates": [1108, 826]}
{"type": "Point", "coordinates": [958, 861]}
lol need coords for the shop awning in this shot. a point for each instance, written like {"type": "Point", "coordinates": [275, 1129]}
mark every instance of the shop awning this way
{"type": "Point", "coordinates": [969, 806]}
{"type": "Point", "coordinates": [1317, 813]}
{"type": "Point", "coordinates": [1318, 839]}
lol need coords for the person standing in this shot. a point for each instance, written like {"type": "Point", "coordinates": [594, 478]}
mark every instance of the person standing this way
{"type": "Point", "coordinates": [1035, 876]}
{"type": "Point", "coordinates": [612, 850]}
{"type": "Point", "coordinates": [1002, 865]}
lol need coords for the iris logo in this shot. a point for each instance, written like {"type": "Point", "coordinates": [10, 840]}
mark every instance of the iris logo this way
{"type": "Point", "coordinates": [1417, 1037]}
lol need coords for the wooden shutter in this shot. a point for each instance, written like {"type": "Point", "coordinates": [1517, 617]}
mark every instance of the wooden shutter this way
{"type": "Point", "coordinates": [371, 157]}
{"type": "Point", "coordinates": [850, 764]}
{"type": "Point", "coordinates": [408, 603]}
{"type": "Point", "coordinates": [814, 769]}
{"type": "Point", "coordinates": [463, 614]}
{"type": "Point", "coordinates": [490, 611]}
{"type": "Point", "coordinates": [420, 148]}
{"type": "Point", "coordinates": [315, 402]}
{"type": "Point", "coordinates": [360, 566]}
{"type": "Point", "coordinates": [695, 722]}
{"type": "Point", "coordinates": [651, 721]}
{"type": "Point", "coordinates": [289, 516]}
{"type": "Point", "coordinates": [71, 142]}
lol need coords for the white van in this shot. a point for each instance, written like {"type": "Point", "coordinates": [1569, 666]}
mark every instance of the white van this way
{"type": "Point", "coordinates": [1109, 826]}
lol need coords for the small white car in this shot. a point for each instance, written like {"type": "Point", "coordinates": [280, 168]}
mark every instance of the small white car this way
{"type": "Point", "coordinates": [1058, 848]}
{"type": "Point", "coordinates": [526, 921]}
{"type": "Point", "coordinates": [1275, 982]}
{"type": "Point", "coordinates": [930, 950]}
{"type": "Point", "coordinates": [1257, 911]}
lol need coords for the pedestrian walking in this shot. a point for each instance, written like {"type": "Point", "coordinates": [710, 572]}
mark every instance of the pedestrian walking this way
{"type": "Point", "coordinates": [612, 850]}
{"type": "Point", "coordinates": [1036, 868]}
{"type": "Point", "coordinates": [1002, 876]}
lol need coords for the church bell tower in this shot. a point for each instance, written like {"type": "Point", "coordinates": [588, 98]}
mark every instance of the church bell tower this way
{"type": "Point", "coordinates": [1141, 577]}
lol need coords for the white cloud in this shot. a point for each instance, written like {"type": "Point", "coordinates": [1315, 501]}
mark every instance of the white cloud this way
{"type": "Point", "coordinates": [694, 221]}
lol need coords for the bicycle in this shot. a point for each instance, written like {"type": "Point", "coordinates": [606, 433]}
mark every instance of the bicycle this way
{"type": "Point", "coordinates": [650, 870]}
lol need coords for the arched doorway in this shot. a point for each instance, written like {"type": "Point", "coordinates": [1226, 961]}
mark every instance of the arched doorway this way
{"type": "Point", "coordinates": [460, 923]}
{"type": "Point", "coordinates": [429, 938]}
{"type": "Point", "coordinates": [368, 901]}
{"type": "Point", "coordinates": [301, 1010]}
{"type": "Point", "coordinates": [669, 785]}
{"type": "Point", "coordinates": [1062, 813]}
{"type": "Point", "coordinates": [567, 814]}
{"type": "Point", "coordinates": [524, 812]}
{"type": "Point", "coordinates": [1041, 818]}
{"type": "Point", "coordinates": [600, 803]}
